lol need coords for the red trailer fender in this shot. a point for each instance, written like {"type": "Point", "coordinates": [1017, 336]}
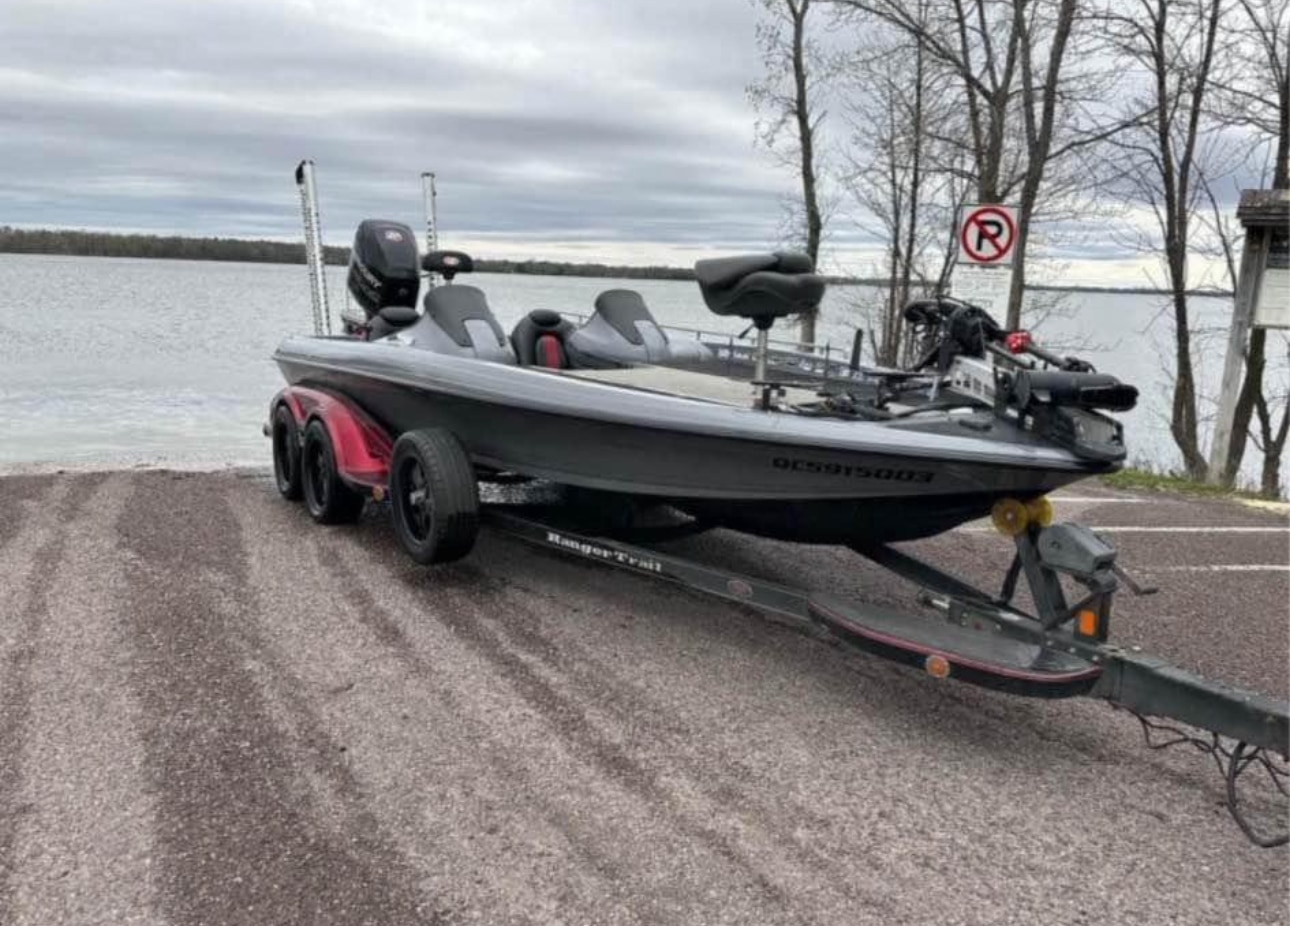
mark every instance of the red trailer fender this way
{"type": "Point", "coordinates": [362, 446]}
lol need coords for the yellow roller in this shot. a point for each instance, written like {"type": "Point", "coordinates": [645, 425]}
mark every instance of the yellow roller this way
{"type": "Point", "coordinates": [1040, 511]}
{"type": "Point", "coordinates": [1010, 517]}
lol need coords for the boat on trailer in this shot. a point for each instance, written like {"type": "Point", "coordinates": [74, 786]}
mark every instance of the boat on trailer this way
{"type": "Point", "coordinates": [414, 409]}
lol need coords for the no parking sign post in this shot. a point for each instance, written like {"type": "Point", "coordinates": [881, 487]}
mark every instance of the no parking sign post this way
{"type": "Point", "coordinates": [987, 236]}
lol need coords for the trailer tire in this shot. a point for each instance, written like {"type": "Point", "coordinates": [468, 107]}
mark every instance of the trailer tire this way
{"type": "Point", "coordinates": [328, 498]}
{"type": "Point", "coordinates": [286, 453]}
{"type": "Point", "coordinates": [434, 497]}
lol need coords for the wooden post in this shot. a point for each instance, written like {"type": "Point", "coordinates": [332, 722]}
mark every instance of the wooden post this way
{"type": "Point", "coordinates": [1261, 212]}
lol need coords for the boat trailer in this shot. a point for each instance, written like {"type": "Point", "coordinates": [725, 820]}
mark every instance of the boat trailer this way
{"type": "Point", "coordinates": [1060, 651]}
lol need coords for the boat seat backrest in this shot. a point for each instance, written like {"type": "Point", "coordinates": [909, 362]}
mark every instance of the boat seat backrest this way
{"type": "Point", "coordinates": [454, 307]}
{"type": "Point", "coordinates": [625, 311]}
{"type": "Point", "coordinates": [540, 339]}
{"type": "Point", "coordinates": [622, 332]}
{"type": "Point", "coordinates": [457, 320]}
{"type": "Point", "coordinates": [389, 320]}
{"type": "Point", "coordinates": [760, 287]}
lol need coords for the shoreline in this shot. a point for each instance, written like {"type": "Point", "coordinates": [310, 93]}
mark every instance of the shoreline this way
{"type": "Point", "coordinates": [516, 267]}
{"type": "Point", "coordinates": [80, 467]}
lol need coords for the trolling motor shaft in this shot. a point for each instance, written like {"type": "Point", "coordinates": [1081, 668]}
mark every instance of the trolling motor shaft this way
{"type": "Point", "coordinates": [313, 246]}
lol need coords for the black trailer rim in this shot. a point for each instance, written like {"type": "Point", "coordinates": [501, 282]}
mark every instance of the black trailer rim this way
{"type": "Point", "coordinates": [318, 466]}
{"type": "Point", "coordinates": [284, 457]}
{"type": "Point", "coordinates": [413, 498]}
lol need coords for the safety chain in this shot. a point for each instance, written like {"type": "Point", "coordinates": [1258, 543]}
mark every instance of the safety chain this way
{"type": "Point", "coordinates": [1232, 763]}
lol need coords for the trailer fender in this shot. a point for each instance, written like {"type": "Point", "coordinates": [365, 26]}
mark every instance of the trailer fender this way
{"type": "Point", "coordinates": [362, 447]}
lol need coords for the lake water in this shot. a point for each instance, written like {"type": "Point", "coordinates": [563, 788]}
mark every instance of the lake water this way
{"type": "Point", "coordinates": [124, 362]}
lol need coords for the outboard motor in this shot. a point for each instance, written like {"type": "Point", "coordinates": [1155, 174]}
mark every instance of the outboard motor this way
{"type": "Point", "coordinates": [383, 278]}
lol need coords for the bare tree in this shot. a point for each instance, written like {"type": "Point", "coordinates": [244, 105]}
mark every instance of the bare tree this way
{"type": "Point", "coordinates": [893, 99]}
{"type": "Point", "coordinates": [1171, 46]}
{"type": "Point", "coordinates": [1026, 106]}
{"type": "Point", "coordinates": [784, 97]}
{"type": "Point", "coordinates": [1256, 94]}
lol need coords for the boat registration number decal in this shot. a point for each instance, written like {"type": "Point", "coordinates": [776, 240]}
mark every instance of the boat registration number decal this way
{"type": "Point", "coordinates": [855, 472]}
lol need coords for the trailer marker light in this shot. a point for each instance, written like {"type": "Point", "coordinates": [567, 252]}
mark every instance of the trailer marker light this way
{"type": "Point", "coordinates": [1088, 624]}
{"type": "Point", "coordinates": [937, 666]}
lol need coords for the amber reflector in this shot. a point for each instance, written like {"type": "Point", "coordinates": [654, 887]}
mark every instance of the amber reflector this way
{"type": "Point", "coordinates": [937, 666]}
{"type": "Point", "coordinates": [1088, 623]}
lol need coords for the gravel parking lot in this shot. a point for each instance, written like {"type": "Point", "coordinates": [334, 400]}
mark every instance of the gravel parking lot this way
{"type": "Point", "coordinates": [213, 711]}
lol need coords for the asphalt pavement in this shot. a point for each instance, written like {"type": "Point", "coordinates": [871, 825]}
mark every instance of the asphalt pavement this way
{"type": "Point", "coordinates": [213, 711]}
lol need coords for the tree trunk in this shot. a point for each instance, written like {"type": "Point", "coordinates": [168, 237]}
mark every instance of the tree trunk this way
{"type": "Point", "coordinates": [1271, 487]}
{"type": "Point", "coordinates": [1183, 423]}
{"type": "Point", "coordinates": [915, 191]}
{"type": "Point", "coordinates": [806, 138]}
{"type": "Point", "coordinates": [1251, 391]}
{"type": "Point", "coordinates": [1281, 173]}
{"type": "Point", "coordinates": [1018, 289]}
{"type": "Point", "coordinates": [1273, 446]}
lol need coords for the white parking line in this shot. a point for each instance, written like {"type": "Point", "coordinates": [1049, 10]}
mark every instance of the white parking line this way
{"type": "Point", "coordinates": [1229, 567]}
{"type": "Point", "coordinates": [1131, 529]}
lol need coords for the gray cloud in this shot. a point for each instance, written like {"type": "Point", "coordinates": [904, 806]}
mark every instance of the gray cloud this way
{"type": "Point", "coordinates": [554, 122]}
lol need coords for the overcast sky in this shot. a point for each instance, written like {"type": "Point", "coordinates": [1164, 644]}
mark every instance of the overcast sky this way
{"type": "Point", "coordinates": [614, 130]}
{"type": "Point", "coordinates": [610, 127]}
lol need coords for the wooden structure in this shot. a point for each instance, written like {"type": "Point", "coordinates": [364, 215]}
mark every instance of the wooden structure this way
{"type": "Point", "coordinates": [1262, 300]}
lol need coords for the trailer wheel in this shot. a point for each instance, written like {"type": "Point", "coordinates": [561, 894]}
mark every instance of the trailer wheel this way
{"type": "Point", "coordinates": [434, 497]}
{"type": "Point", "coordinates": [327, 497]}
{"type": "Point", "coordinates": [286, 454]}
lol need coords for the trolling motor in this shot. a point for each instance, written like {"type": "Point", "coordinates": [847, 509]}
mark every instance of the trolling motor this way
{"type": "Point", "coordinates": [1060, 398]}
{"type": "Point", "coordinates": [313, 246]}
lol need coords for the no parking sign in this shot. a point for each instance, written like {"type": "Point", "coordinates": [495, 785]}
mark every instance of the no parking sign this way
{"type": "Point", "coordinates": [986, 244]}
{"type": "Point", "coordinates": [987, 235]}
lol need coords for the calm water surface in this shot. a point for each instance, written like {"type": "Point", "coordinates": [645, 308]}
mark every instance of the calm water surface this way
{"type": "Point", "coordinates": [124, 361]}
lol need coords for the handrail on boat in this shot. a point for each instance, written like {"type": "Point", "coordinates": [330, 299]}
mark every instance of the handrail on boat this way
{"type": "Point", "coordinates": [814, 351]}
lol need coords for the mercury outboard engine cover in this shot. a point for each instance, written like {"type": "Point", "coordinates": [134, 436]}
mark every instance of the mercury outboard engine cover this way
{"type": "Point", "coordinates": [383, 266]}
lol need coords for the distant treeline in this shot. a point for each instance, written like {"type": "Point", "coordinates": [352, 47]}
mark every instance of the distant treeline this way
{"type": "Point", "coordinates": [559, 269]}
{"type": "Point", "coordinates": [174, 247]}
{"type": "Point", "coordinates": [105, 244]}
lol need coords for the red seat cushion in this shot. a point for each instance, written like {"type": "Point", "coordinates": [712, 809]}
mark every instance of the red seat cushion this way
{"type": "Point", "coordinates": [549, 352]}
